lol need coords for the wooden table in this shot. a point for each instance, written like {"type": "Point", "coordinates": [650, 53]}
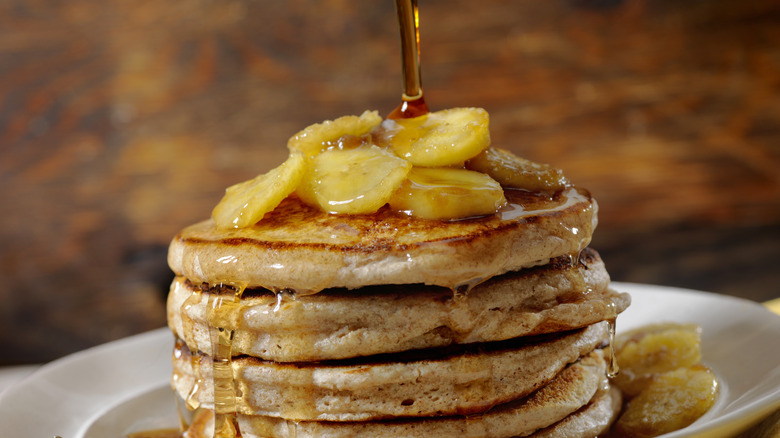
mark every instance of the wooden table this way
{"type": "Point", "coordinates": [122, 121]}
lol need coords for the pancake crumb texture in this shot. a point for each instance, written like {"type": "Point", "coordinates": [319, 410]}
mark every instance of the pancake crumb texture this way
{"type": "Point", "coordinates": [385, 247]}
{"type": "Point", "coordinates": [513, 354]}
{"type": "Point", "coordinates": [571, 391]}
{"type": "Point", "coordinates": [337, 324]}
{"type": "Point", "coordinates": [461, 384]}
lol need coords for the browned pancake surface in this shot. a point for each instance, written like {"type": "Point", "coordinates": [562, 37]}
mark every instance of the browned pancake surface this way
{"type": "Point", "coordinates": [341, 323]}
{"type": "Point", "coordinates": [570, 390]}
{"type": "Point", "coordinates": [459, 380]}
{"type": "Point", "coordinates": [301, 248]}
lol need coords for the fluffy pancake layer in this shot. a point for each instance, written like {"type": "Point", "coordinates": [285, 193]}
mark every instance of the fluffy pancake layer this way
{"type": "Point", "coordinates": [464, 381]}
{"type": "Point", "coordinates": [300, 248]}
{"type": "Point", "coordinates": [337, 324]}
{"type": "Point", "coordinates": [589, 422]}
{"type": "Point", "coordinates": [574, 390]}
{"type": "Point", "coordinates": [385, 325]}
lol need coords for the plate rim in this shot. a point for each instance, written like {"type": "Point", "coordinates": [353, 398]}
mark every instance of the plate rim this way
{"type": "Point", "coordinates": [741, 418]}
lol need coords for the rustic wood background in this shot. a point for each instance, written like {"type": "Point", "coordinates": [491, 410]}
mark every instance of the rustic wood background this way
{"type": "Point", "coordinates": [122, 121]}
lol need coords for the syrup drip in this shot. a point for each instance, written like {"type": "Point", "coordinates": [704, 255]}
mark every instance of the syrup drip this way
{"type": "Point", "coordinates": [574, 258]}
{"type": "Point", "coordinates": [281, 296]}
{"type": "Point", "coordinates": [223, 309]}
{"type": "Point", "coordinates": [192, 400]}
{"type": "Point", "coordinates": [612, 365]}
{"type": "Point", "coordinates": [461, 290]}
{"type": "Point", "coordinates": [410, 109]}
{"type": "Point", "coordinates": [413, 104]}
{"type": "Point", "coordinates": [579, 287]}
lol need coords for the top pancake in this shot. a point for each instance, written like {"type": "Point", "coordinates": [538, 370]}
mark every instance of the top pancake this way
{"type": "Point", "coordinates": [301, 248]}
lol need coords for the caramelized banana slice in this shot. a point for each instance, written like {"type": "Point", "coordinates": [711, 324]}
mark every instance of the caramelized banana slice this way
{"type": "Point", "coordinates": [448, 194]}
{"type": "Point", "coordinates": [247, 202]}
{"type": "Point", "coordinates": [439, 139]}
{"type": "Point", "coordinates": [353, 181]}
{"type": "Point", "coordinates": [321, 136]}
{"type": "Point", "coordinates": [651, 350]}
{"type": "Point", "coordinates": [513, 171]}
{"type": "Point", "coordinates": [670, 402]}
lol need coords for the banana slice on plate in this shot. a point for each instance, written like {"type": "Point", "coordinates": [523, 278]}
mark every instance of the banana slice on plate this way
{"type": "Point", "coordinates": [648, 351]}
{"type": "Point", "coordinates": [245, 203]}
{"type": "Point", "coordinates": [515, 172]}
{"type": "Point", "coordinates": [444, 193]}
{"type": "Point", "coordinates": [322, 136]}
{"type": "Point", "coordinates": [670, 402]}
{"type": "Point", "coordinates": [439, 139]}
{"type": "Point", "coordinates": [353, 181]}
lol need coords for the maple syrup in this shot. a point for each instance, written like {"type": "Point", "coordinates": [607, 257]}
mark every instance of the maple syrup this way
{"type": "Point", "coordinates": [223, 310]}
{"type": "Point", "coordinates": [409, 109]}
{"type": "Point", "coordinates": [612, 364]}
{"type": "Point", "coordinates": [413, 104]}
{"type": "Point", "coordinates": [192, 401]}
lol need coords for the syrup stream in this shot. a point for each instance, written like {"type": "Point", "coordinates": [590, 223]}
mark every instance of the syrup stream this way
{"type": "Point", "coordinates": [412, 104]}
{"type": "Point", "coordinates": [408, 22]}
{"type": "Point", "coordinates": [223, 309]}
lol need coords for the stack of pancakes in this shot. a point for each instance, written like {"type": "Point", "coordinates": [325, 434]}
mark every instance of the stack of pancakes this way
{"type": "Point", "coordinates": [309, 324]}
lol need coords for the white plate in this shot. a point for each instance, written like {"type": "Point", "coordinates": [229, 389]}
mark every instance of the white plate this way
{"type": "Point", "coordinates": [122, 386]}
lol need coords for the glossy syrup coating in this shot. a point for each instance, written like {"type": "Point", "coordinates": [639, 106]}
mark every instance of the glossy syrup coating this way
{"type": "Point", "coordinates": [307, 250]}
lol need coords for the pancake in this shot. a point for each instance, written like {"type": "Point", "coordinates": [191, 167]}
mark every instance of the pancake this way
{"type": "Point", "coordinates": [337, 323]}
{"type": "Point", "coordinates": [567, 393]}
{"type": "Point", "coordinates": [589, 422]}
{"type": "Point", "coordinates": [376, 319]}
{"type": "Point", "coordinates": [464, 380]}
{"type": "Point", "coordinates": [303, 249]}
